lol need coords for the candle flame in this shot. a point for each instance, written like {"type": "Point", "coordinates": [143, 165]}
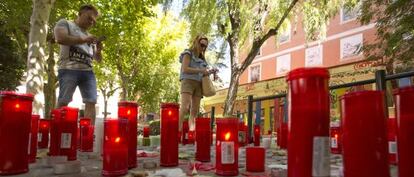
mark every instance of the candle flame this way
{"type": "Point", "coordinates": [17, 106]}
{"type": "Point", "coordinates": [227, 136]}
{"type": "Point", "coordinates": [129, 112]}
{"type": "Point", "coordinates": [336, 136]}
{"type": "Point", "coordinates": [117, 139]}
{"type": "Point", "coordinates": [169, 113]}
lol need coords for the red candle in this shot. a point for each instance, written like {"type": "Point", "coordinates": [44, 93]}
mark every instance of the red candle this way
{"type": "Point", "coordinates": [54, 134]}
{"type": "Point", "coordinates": [392, 144]}
{"type": "Point", "coordinates": [129, 110]}
{"type": "Point", "coordinates": [308, 133]}
{"type": "Point", "coordinates": [404, 99]}
{"type": "Point", "coordinates": [146, 131]}
{"type": "Point", "coordinates": [64, 132]}
{"type": "Point", "coordinates": [336, 143]}
{"type": "Point", "coordinates": [169, 132]}
{"type": "Point", "coordinates": [242, 134]}
{"type": "Point", "coordinates": [227, 147]}
{"type": "Point", "coordinates": [364, 137]}
{"type": "Point", "coordinates": [203, 139]}
{"type": "Point", "coordinates": [185, 130]}
{"type": "Point", "coordinates": [115, 147]}
{"type": "Point", "coordinates": [15, 118]}
{"type": "Point", "coordinates": [86, 135]}
{"type": "Point", "coordinates": [191, 137]}
{"type": "Point", "coordinates": [43, 136]}
{"type": "Point", "coordinates": [282, 130]}
{"type": "Point", "coordinates": [255, 159]}
{"type": "Point", "coordinates": [257, 135]}
{"type": "Point", "coordinates": [33, 138]}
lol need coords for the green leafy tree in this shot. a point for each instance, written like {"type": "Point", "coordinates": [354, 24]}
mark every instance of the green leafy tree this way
{"type": "Point", "coordinates": [11, 64]}
{"type": "Point", "coordinates": [157, 75]}
{"type": "Point", "coordinates": [246, 25]}
{"type": "Point", "coordinates": [395, 32]}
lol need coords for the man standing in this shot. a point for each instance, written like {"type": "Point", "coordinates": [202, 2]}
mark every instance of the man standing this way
{"type": "Point", "coordinates": [77, 50]}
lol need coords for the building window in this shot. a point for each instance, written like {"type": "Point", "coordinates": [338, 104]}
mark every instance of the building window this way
{"type": "Point", "coordinates": [349, 14]}
{"type": "Point", "coordinates": [282, 64]}
{"type": "Point", "coordinates": [351, 46]}
{"type": "Point", "coordinates": [285, 36]}
{"type": "Point", "coordinates": [313, 56]}
{"type": "Point", "coordinates": [254, 73]}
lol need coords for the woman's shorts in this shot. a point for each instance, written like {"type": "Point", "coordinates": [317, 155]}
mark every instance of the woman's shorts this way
{"type": "Point", "coordinates": [191, 86]}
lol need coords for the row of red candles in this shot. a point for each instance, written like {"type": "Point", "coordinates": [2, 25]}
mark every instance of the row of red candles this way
{"type": "Point", "coordinates": [363, 123]}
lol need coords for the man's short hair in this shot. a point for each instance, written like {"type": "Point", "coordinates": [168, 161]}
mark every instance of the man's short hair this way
{"type": "Point", "coordinates": [87, 7]}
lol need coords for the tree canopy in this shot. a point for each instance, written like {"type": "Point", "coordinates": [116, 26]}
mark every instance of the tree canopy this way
{"type": "Point", "coordinates": [246, 25]}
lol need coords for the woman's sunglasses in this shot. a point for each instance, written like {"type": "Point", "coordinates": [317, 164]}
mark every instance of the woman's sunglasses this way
{"type": "Point", "coordinates": [203, 45]}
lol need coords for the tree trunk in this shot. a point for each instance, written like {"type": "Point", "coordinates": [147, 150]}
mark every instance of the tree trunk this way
{"type": "Point", "coordinates": [36, 52]}
{"type": "Point", "coordinates": [232, 93]}
{"type": "Point", "coordinates": [105, 97]}
{"type": "Point", "coordinates": [51, 84]}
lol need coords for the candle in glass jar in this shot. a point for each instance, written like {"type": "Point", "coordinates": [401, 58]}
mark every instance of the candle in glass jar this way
{"type": "Point", "coordinates": [169, 132]}
{"type": "Point", "coordinates": [115, 147]}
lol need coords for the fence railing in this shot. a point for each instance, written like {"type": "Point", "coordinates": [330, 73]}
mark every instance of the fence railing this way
{"type": "Point", "coordinates": [379, 80]}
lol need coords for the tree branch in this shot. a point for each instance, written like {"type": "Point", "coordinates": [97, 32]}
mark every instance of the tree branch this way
{"type": "Point", "coordinates": [258, 42]}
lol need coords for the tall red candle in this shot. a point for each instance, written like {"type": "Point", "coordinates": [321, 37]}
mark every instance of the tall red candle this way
{"type": "Point", "coordinates": [335, 142]}
{"type": "Point", "coordinates": [256, 135]}
{"type": "Point", "coordinates": [169, 132]}
{"type": "Point", "coordinates": [129, 110]}
{"type": "Point", "coordinates": [64, 132]}
{"type": "Point", "coordinates": [364, 137]}
{"type": "Point", "coordinates": [243, 139]}
{"type": "Point", "coordinates": [146, 132]}
{"type": "Point", "coordinates": [115, 147]}
{"type": "Point", "coordinates": [392, 144]}
{"type": "Point", "coordinates": [184, 133]}
{"type": "Point", "coordinates": [191, 137]}
{"type": "Point", "coordinates": [282, 130]}
{"type": "Point", "coordinates": [15, 118]}
{"type": "Point", "coordinates": [43, 136]}
{"type": "Point", "coordinates": [86, 135]}
{"type": "Point", "coordinates": [308, 133]}
{"type": "Point", "coordinates": [227, 149]}
{"type": "Point", "coordinates": [203, 135]}
{"type": "Point", "coordinates": [33, 138]}
{"type": "Point", "coordinates": [54, 134]}
{"type": "Point", "coordinates": [404, 99]}
{"type": "Point", "coordinates": [255, 159]}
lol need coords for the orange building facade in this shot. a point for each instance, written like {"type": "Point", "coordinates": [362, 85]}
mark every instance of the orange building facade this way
{"type": "Point", "coordinates": [340, 51]}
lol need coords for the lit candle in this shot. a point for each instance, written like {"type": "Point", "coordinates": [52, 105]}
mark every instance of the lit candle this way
{"type": "Point", "coordinates": [335, 143]}
{"type": "Point", "coordinates": [115, 147]}
{"type": "Point", "coordinates": [169, 132]}
{"type": "Point", "coordinates": [43, 136]}
{"type": "Point", "coordinates": [15, 118]}
{"type": "Point", "coordinates": [129, 110]}
{"type": "Point", "coordinates": [86, 135]}
{"type": "Point", "coordinates": [227, 147]}
{"type": "Point", "coordinates": [257, 135]}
